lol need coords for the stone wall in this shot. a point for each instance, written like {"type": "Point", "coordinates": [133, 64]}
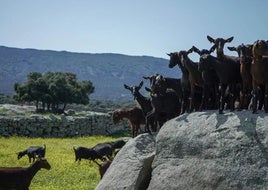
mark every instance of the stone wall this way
{"type": "Point", "coordinates": [36, 125]}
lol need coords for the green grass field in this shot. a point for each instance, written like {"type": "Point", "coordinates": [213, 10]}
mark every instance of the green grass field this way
{"type": "Point", "coordinates": [65, 173]}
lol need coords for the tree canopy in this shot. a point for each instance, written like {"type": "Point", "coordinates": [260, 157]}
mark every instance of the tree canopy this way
{"type": "Point", "coordinates": [53, 91]}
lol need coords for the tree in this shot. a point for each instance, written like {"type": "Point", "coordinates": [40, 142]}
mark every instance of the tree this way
{"type": "Point", "coordinates": [53, 90]}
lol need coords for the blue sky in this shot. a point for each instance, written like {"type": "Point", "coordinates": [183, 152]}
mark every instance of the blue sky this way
{"type": "Point", "coordinates": [140, 27]}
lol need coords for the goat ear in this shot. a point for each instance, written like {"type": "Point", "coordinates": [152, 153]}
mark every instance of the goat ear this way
{"type": "Point", "coordinates": [232, 48]}
{"type": "Point", "coordinates": [169, 54]}
{"type": "Point", "coordinates": [229, 39]}
{"type": "Point", "coordinates": [162, 78]}
{"type": "Point", "coordinates": [196, 50]}
{"type": "Point", "coordinates": [190, 51]}
{"type": "Point", "coordinates": [127, 87]}
{"type": "Point", "coordinates": [148, 89]}
{"type": "Point", "coordinates": [141, 83]}
{"type": "Point", "coordinates": [212, 49]}
{"type": "Point", "coordinates": [210, 39]}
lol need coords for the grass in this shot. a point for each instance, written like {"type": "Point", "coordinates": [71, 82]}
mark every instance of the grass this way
{"type": "Point", "coordinates": [3, 111]}
{"type": "Point", "coordinates": [65, 174]}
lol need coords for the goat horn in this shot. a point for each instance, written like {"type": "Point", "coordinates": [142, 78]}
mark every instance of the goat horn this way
{"type": "Point", "coordinates": [148, 89]}
{"type": "Point", "coordinates": [146, 77]}
{"type": "Point", "coordinates": [127, 87]}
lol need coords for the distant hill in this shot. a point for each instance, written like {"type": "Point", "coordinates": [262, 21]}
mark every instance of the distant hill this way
{"type": "Point", "coordinates": [108, 72]}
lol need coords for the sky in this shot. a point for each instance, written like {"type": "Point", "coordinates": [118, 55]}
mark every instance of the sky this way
{"type": "Point", "coordinates": [140, 27]}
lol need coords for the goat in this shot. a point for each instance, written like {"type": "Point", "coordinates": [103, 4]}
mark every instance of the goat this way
{"type": "Point", "coordinates": [85, 153]}
{"type": "Point", "coordinates": [117, 144]}
{"type": "Point", "coordinates": [211, 83]}
{"type": "Point", "coordinates": [103, 167]}
{"type": "Point", "coordinates": [175, 59]}
{"type": "Point", "coordinates": [219, 46]}
{"type": "Point", "coordinates": [33, 152]}
{"type": "Point", "coordinates": [134, 115]}
{"type": "Point", "coordinates": [144, 103]}
{"type": "Point", "coordinates": [259, 70]}
{"type": "Point", "coordinates": [104, 149]}
{"type": "Point", "coordinates": [245, 55]}
{"type": "Point", "coordinates": [166, 102]}
{"type": "Point", "coordinates": [195, 78]}
{"type": "Point", "coordinates": [162, 83]}
{"type": "Point", "coordinates": [228, 73]}
{"type": "Point", "coordinates": [18, 178]}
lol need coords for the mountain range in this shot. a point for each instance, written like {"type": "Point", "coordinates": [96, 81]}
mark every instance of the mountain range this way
{"type": "Point", "coordinates": [107, 71]}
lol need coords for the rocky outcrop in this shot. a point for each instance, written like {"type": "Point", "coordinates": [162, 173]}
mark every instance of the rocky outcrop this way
{"type": "Point", "coordinates": [202, 150]}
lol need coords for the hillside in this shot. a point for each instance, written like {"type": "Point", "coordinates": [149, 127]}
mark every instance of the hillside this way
{"type": "Point", "coordinates": [108, 72]}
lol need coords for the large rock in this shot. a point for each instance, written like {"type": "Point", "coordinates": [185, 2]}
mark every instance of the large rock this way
{"type": "Point", "coordinates": [202, 150]}
{"type": "Point", "coordinates": [131, 168]}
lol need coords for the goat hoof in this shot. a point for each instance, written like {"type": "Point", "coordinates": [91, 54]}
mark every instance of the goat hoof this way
{"type": "Point", "coordinates": [220, 112]}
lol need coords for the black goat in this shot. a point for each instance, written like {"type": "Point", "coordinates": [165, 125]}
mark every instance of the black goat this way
{"type": "Point", "coordinates": [99, 151]}
{"type": "Point", "coordinates": [161, 83]}
{"type": "Point", "coordinates": [33, 152]}
{"type": "Point", "coordinates": [85, 153]}
{"type": "Point", "coordinates": [104, 149]}
{"type": "Point", "coordinates": [117, 144]}
{"type": "Point", "coordinates": [144, 103]}
{"type": "Point", "coordinates": [166, 103]}
{"type": "Point", "coordinates": [211, 83]}
{"type": "Point", "coordinates": [17, 178]}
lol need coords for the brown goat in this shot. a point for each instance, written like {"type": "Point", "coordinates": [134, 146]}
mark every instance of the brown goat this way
{"type": "Point", "coordinates": [134, 115]}
{"type": "Point", "coordinates": [145, 104]}
{"type": "Point", "coordinates": [245, 55]}
{"type": "Point", "coordinates": [20, 178]}
{"type": "Point", "coordinates": [259, 69]}
{"type": "Point", "coordinates": [189, 85]}
{"type": "Point", "coordinates": [219, 46]}
{"type": "Point", "coordinates": [103, 167]}
{"type": "Point", "coordinates": [195, 78]}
